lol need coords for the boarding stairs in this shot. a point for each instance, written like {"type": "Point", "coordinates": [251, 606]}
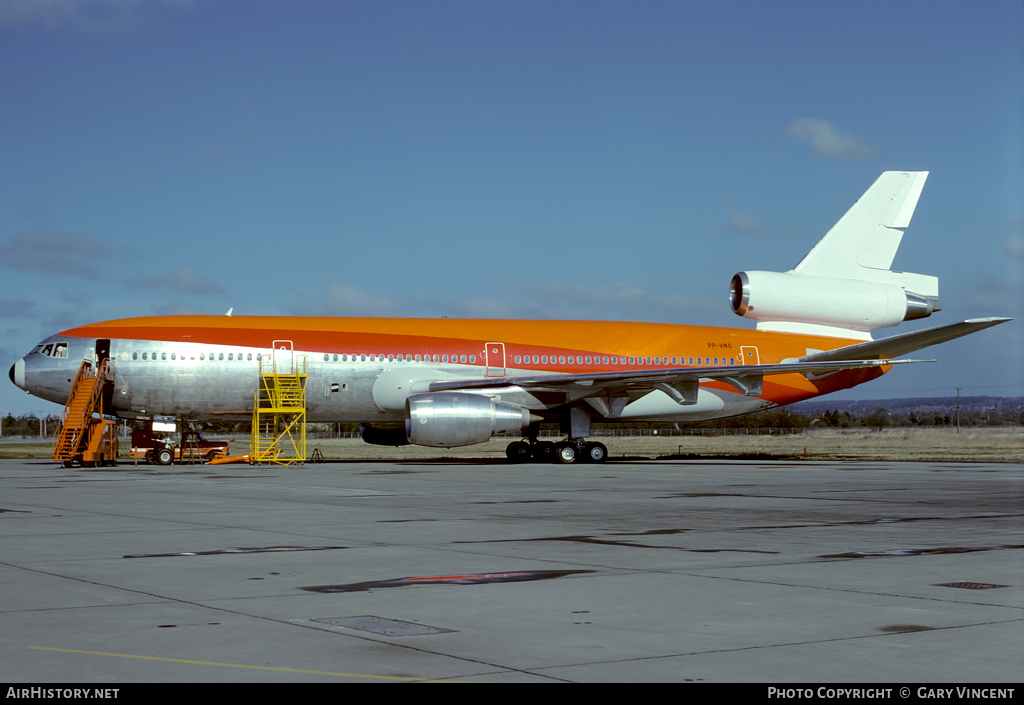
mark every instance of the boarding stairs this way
{"type": "Point", "coordinates": [82, 427]}
{"type": "Point", "coordinates": [279, 409]}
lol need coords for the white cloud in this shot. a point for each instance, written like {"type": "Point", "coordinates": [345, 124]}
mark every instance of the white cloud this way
{"type": "Point", "coordinates": [95, 16]}
{"type": "Point", "coordinates": [555, 300]}
{"type": "Point", "coordinates": [826, 141]}
{"type": "Point", "coordinates": [740, 222]}
{"type": "Point", "coordinates": [1014, 247]}
{"type": "Point", "coordinates": [344, 300]}
{"type": "Point", "coordinates": [52, 252]}
{"type": "Point", "coordinates": [618, 300]}
{"type": "Point", "coordinates": [182, 281]}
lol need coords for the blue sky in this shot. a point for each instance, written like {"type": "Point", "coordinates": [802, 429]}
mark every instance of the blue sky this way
{"type": "Point", "coordinates": [519, 159]}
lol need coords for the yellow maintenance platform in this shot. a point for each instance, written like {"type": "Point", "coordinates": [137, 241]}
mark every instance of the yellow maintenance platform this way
{"type": "Point", "coordinates": [279, 411]}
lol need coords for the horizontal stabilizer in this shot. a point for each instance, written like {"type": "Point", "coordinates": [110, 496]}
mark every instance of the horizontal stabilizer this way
{"type": "Point", "coordinates": [905, 343]}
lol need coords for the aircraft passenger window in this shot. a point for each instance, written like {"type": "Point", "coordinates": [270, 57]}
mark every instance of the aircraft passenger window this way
{"type": "Point", "coordinates": [570, 359]}
{"type": "Point", "coordinates": [247, 357]}
{"type": "Point", "coordinates": [690, 362]}
{"type": "Point", "coordinates": [472, 358]}
{"type": "Point", "coordinates": [544, 359]}
{"type": "Point", "coordinates": [174, 356]}
{"type": "Point", "coordinates": [444, 358]}
{"type": "Point", "coordinates": [732, 361]}
{"type": "Point", "coordinates": [648, 361]}
{"type": "Point", "coordinates": [200, 356]}
{"type": "Point", "coordinates": [391, 358]}
{"type": "Point", "coordinates": [536, 359]}
{"type": "Point", "coordinates": [631, 360]}
{"type": "Point", "coordinates": [326, 357]}
{"type": "Point", "coordinates": [163, 356]}
{"type": "Point", "coordinates": [220, 356]}
{"type": "Point", "coordinates": [462, 358]}
{"type": "Point", "coordinates": [588, 359]}
{"type": "Point", "coordinates": [145, 356]}
{"type": "Point", "coordinates": [615, 359]}
{"type": "Point", "coordinates": [518, 359]}
{"type": "Point", "coordinates": [135, 356]}
{"type": "Point", "coordinates": [716, 360]}
{"type": "Point", "coordinates": [605, 359]}
{"type": "Point", "coordinates": [657, 361]}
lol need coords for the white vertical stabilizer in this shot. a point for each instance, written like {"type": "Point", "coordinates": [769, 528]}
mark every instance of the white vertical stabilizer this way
{"type": "Point", "coordinates": [868, 236]}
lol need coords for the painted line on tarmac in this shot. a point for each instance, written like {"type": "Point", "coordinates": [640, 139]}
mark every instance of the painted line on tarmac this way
{"type": "Point", "coordinates": [240, 665]}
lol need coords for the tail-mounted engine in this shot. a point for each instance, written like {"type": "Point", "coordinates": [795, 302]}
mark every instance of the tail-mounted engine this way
{"type": "Point", "coordinates": [840, 303]}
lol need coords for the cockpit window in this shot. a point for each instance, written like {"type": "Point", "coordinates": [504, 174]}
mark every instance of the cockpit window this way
{"type": "Point", "coordinates": [37, 348]}
{"type": "Point", "coordinates": [60, 350]}
{"type": "Point", "coordinates": [47, 349]}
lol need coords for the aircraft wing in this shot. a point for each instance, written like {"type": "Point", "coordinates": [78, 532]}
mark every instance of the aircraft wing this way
{"type": "Point", "coordinates": [609, 392]}
{"type": "Point", "coordinates": [905, 343]}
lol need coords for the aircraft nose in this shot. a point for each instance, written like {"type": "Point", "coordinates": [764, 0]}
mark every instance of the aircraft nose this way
{"type": "Point", "coordinates": [17, 373]}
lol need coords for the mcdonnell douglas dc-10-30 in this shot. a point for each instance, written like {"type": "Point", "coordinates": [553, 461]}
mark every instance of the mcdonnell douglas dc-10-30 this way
{"type": "Point", "coordinates": [452, 382]}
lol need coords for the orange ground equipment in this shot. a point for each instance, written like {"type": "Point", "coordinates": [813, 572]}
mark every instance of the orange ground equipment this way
{"type": "Point", "coordinates": [84, 435]}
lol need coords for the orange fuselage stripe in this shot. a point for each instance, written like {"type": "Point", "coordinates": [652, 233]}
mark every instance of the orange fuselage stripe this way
{"type": "Point", "coordinates": [520, 337]}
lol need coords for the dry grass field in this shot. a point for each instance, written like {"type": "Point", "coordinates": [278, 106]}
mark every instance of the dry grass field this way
{"type": "Point", "coordinates": [992, 444]}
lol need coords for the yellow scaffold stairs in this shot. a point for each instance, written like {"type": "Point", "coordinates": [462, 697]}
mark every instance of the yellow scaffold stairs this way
{"type": "Point", "coordinates": [279, 412]}
{"type": "Point", "coordinates": [84, 434]}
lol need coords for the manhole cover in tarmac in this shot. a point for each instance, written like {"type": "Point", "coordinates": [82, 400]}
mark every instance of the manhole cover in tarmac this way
{"type": "Point", "coordinates": [385, 627]}
{"type": "Point", "coordinates": [971, 586]}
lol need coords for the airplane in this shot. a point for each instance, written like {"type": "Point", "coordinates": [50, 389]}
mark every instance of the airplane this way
{"type": "Point", "coordinates": [456, 382]}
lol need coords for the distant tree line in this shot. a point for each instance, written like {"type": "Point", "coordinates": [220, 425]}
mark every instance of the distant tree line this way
{"type": "Point", "coordinates": [30, 425]}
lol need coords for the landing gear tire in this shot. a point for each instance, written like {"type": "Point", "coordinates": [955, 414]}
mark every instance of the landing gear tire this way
{"type": "Point", "coordinates": [566, 453]}
{"type": "Point", "coordinates": [518, 452]}
{"type": "Point", "coordinates": [595, 452]}
{"type": "Point", "coordinates": [544, 451]}
{"type": "Point", "coordinates": [163, 456]}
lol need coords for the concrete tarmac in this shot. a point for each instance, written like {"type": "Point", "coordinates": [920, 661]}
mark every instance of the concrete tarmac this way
{"type": "Point", "coordinates": [692, 571]}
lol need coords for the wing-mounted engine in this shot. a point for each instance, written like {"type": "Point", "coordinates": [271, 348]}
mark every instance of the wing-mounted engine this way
{"type": "Point", "coordinates": [450, 419]}
{"type": "Point", "coordinates": [844, 286]}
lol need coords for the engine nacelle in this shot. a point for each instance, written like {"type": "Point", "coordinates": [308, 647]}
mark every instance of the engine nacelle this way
{"type": "Point", "coordinates": [449, 419]}
{"type": "Point", "coordinates": [383, 435]}
{"type": "Point", "coordinates": [841, 303]}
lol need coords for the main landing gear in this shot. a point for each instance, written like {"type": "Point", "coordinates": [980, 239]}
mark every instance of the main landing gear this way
{"type": "Point", "coordinates": [571, 450]}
